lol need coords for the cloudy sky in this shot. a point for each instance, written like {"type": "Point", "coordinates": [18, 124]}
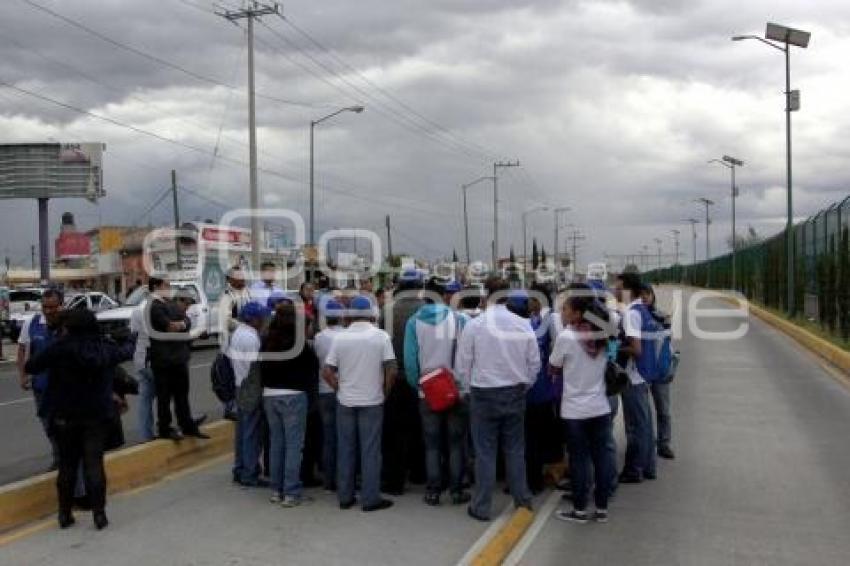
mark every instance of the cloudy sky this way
{"type": "Point", "coordinates": [612, 107]}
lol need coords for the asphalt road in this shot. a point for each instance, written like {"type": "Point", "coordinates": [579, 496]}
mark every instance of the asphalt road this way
{"type": "Point", "coordinates": [24, 450]}
{"type": "Point", "coordinates": [762, 438]}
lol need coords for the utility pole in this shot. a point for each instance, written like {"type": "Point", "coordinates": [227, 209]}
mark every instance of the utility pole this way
{"type": "Point", "coordinates": [176, 210]}
{"type": "Point", "coordinates": [558, 212]}
{"type": "Point", "coordinates": [575, 237]}
{"type": "Point", "coordinates": [389, 239]}
{"type": "Point", "coordinates": [676, 243]}
{"type": "Point", "coordinates": [255, 10]}
{"type": "Point", "coordinates": [693, 222]}
{"type": "Point", "coordinates": [496, 166]}
{"type": "Point", "coordinates": [32, 255]}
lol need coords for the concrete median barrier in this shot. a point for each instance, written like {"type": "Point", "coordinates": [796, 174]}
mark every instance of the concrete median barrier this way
{"type": "Point", "coordinates": [34, 498]}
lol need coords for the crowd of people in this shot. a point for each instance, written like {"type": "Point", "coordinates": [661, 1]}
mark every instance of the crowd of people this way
{"type": "Point", "coordinates": [364, 392]}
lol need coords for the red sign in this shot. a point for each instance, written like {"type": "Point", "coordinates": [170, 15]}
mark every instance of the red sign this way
{"type": "Point", "coordinates": [72, 244]}
{"type": "Point", "coordinates": [225, 236]}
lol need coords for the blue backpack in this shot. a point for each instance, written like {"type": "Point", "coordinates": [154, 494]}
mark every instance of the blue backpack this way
{"type": "Point", "coordinates": [656, 361]}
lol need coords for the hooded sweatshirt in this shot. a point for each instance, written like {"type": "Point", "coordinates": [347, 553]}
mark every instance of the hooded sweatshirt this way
{"type": "Point", "coordinates": [429, 341]}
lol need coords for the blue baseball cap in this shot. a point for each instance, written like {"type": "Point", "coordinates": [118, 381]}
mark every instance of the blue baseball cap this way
{"type": "Point", "coordinates": [360, 306]}
{"type": "Point", "coordinates": [518, 299]}
{"type": "Point", "coordinates": [453, 286]}
{"type": "Point", "coordinates": [410, 275]}
{"type": "Point", "coordinates": [253, 310]}
{"type": "Point", "coordinates": [275, 298]}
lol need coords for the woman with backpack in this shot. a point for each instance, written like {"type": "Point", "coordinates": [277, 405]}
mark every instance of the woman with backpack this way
{"type": "Point", "coordinates": [80, 406]}
{"type": "Point", "coordinates": [580, 356]}
{"type": "Point", "coordinates": [660, 390]}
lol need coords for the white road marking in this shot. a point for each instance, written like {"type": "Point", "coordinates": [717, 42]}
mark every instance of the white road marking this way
{"type": "Point", "coordinates": [540, 520]}
{"type": "Point", "coordinates": [16, 401]}
{"type": "Point", "coordinates": [491, 531]}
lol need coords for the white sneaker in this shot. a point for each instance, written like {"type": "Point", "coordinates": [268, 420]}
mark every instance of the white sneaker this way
{"type": "Point", "coordinates": [276, 498]}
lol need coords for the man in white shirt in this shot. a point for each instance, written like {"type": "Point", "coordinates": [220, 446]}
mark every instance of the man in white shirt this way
{"type": "Point", "coordinates": [499, 358]}
{"type": "Point", "coordinates": [361, 368]}
{"type": "Point", "coordinates": [640, 439]}
{"type": "Point", "coordinates": [332, 315]}
{"type": "Point", "coordinates": [242, 352]}
{"type": "Point", "coordinates": [147, 388]}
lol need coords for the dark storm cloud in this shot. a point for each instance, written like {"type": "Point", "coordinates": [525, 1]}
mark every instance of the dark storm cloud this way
{"type": "Point", "coordinates": [614, 107]}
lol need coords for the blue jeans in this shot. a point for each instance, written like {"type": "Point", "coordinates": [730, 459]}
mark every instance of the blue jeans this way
{"type": "Point", "coordinates": [640, 440]}
{"type": "Point", "coordinates": [147, 394]}
{"type": "Point", "coordinates": [588, 446]}
{"type": "Point", "coordinates": [497, 416]}
{"type": "Point", "coordinates": [456, 421]}
{"type": "Point", "coordinates": [287, 416]}
{"type": "Point", "coordinates": [661, 400]}
{"type": "Point", "coordinates": [364, 425]}
{"type": "Point", "coordinates": [327, 411]}
{"type": "Point", "coordinates": [246, 446]}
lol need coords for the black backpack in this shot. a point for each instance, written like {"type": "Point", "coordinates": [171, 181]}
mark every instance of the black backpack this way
{"type": "Point", "coordinates": [223, 379]}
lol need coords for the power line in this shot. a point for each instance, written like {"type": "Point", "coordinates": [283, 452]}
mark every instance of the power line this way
{"type": "Point", "coordinates": [448, 132]}
{"type": "Point", "coordinates": [155, 58]}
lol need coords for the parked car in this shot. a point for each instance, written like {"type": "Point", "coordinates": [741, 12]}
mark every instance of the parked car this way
{"type": "Point", "coordinates": [23, 304]}
{"type": "Point", "coordinates": [94, 301]}
{"type": "Point", "coordinates": [115, 322]}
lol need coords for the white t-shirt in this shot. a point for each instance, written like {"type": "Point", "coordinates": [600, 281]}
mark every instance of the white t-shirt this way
{"type": "Point", "coordinates": [358, 353]}
{"type": "Point", "coordinates": [631, 324]}
{"type": "Point", "coordinates": [243, 350]}
{"type": "Point", "coordinates": [322, 345]}
{"type": "Point", "coordinates": [584, 378]}
{"type": "Point", "coordinates": [143, 341]}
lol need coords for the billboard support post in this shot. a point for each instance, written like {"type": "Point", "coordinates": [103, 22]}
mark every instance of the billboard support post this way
{"type": "Point", "coordinates": [43, 242]}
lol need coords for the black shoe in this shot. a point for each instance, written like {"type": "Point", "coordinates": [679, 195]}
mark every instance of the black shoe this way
{"type": "Point", "coordinates": [649, 476]}
{"type": "Point", "coordinates": [432, 499]}
{"type": "Point", "coordinates": [666, 453]}
{"type": "Point", "coordinates": [172, 434]}
{"type": "Point", "coordinates": [66, 519]}
{"type": "Point", "coordinates": [629, 478]}
{"type": "Point", "coordinates": [382, 504]}
{"type": "Point", "coordinates": [476, 516]}
{"type": "Point", "coordinates": [100, 520]}
{"type": "Point", "coordinates": [199, 420]}
{"type": "Point", "coordinates": [461, 497]}
{"type": "Point", "coordinates": [348, 504]}
{"type": "Point", "coordinates": [572, 516]}
{"type": "Point", "coordinates": [198, 434]}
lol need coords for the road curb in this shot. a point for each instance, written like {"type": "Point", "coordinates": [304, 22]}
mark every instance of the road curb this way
{"type": "Point", "coordinates": [823, 348]}
{"type": "Point", "coordinates": [34, 498]}
{"type": "Point", "coordinates": [503, 542]}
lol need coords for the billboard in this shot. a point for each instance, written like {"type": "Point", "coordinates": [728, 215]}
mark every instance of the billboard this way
{"type": "Point", "coordinates": [51, 170]}
{"type": "Point", "coordinates": [72, 245]}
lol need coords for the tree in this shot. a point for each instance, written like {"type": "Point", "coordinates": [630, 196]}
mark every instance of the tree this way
{"type": "Point", "coordinates": [750, 238]}
{"type": "Point", "coordinates": [534, 255]}
{"type": "Point", "coordinates": [454, 256]}
{"type": "Point", "coordinates": [631, 268]}
{"type": "Point", "coordinates": [543, 256]}
{"type": "Point", "coordinates": [512, 256]}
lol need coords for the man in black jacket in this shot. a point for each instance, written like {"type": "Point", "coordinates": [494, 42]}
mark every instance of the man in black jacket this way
{"type": "Point", "coordinates": [169, 357]}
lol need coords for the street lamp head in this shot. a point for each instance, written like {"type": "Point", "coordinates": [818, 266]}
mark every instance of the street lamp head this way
{"type": "Point", "coordinates": [358, 109]}
{"type": "Point", "coordinates": [743, 37]}
{"type": "Point", "coordinates": [733, 161]}
{"type": "Point", "coordinates": [787, 35]}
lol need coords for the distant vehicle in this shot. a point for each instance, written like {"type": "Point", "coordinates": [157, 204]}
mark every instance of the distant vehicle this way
{"type": "Point", "coordinates": [94, 301]}
{"type": "Point", "coordinates": [23, 304]}
{"type": "Point", "coordinates": [4, 311]}
{"type": "Point", "coordinates": [115, 322]}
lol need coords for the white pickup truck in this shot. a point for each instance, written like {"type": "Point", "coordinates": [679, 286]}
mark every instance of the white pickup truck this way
{"type": "Point", "coordinates": [204, 315]}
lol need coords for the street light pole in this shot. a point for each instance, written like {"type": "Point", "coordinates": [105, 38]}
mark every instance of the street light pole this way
{"type": "Point", "coordinates": [731, 163]}
{"type": "Point", "coordinates": [676, 243]}
{"type": "Point", "coordinates": [707, 203]}
{"type": "Point", "coordinates": [496, 166]}
{"type": "Point", "coordinates": [313, 124]}
{"type": "Point", "coordinates": [782, 38]}
{"type": "Point", "coordinates": [658, 243]}
{"type": "Point", "coordinates": [464, 187]}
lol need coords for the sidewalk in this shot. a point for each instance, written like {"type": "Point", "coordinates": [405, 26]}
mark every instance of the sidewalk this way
{"type": "Point", "coordinates": [201, 518]}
